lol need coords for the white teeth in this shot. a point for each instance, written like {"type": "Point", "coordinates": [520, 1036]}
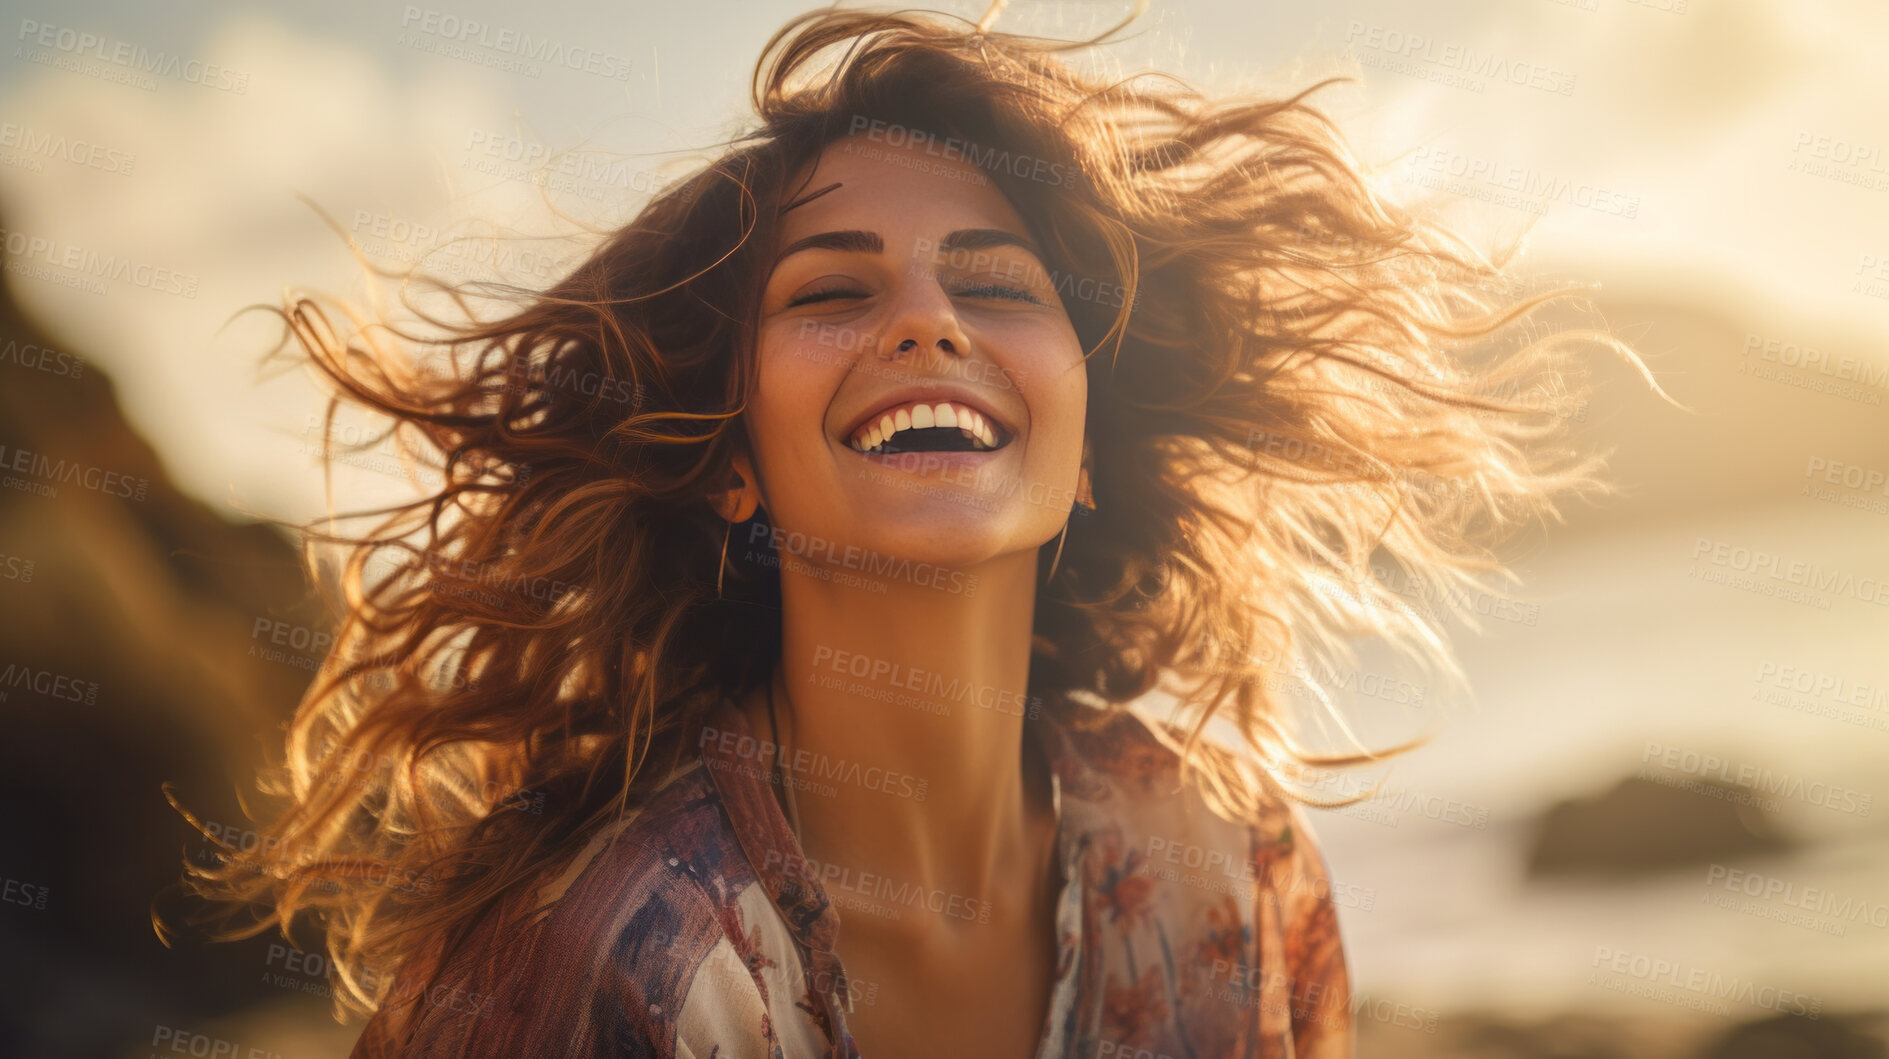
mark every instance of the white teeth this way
{"type": "Point", "coordinates": [975, 425]}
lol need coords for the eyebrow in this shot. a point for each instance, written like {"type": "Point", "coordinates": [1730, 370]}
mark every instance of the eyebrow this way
{"type": "Point", "coordinates": [856, 241]}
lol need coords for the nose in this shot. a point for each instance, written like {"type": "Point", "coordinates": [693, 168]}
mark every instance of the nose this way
{"type": "Point", "coordinates": [922, 322]}
{"type": "Point", "coordinates": [944, 345]}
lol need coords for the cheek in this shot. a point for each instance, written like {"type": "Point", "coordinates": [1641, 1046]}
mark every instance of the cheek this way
{"type": "Point", "coordinates": [1055, 383]}
{"type": "Point", "coordinates": [795, 381]}
{"type": "Point", "coordinates": [806, 348]}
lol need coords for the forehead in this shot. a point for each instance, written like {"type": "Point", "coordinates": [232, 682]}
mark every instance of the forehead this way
{"type": "Point", "coordinates": [889, 188]}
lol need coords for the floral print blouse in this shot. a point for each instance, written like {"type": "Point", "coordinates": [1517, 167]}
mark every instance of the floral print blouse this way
{"type": "Point", "coordinates": [695, 930]}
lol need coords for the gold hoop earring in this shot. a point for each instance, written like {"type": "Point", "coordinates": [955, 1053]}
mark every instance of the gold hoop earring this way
{"type": "Point", "coordinates": [1058, 557]}
{"type": "Point", "coordinates": [722, 565]}
{"type": "Point", "coordinates": [1084, 498]}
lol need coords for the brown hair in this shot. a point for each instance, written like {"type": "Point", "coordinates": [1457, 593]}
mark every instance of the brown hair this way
{"type": "Point", "coordinates": [1294, 365]}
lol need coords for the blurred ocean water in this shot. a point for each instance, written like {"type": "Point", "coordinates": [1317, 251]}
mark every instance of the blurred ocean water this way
{"type": "Point", "coordinates": [1643, 663]}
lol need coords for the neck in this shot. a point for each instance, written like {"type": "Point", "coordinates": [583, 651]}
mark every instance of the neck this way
{"type": "Point", "coordinates": [901, 716]}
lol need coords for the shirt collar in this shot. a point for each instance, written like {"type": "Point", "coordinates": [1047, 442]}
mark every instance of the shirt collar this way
{"type": "Point", "coordinates": [741, 775]}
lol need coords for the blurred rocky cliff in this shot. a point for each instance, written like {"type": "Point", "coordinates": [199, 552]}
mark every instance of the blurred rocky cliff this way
{"type": "Point", "coordinates": [139, 633]}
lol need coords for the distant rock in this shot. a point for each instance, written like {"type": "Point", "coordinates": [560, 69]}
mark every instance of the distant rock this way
{"type": "Point", "coordinates": [1642, 826]}
{"type": "Point", "coordinates": [1796, 1037]}
{"type": "Point", "coordinates": [1650, 1034]}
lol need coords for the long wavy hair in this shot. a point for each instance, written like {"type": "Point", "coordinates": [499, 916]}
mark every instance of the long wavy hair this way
{"type": "Point", "coordinates": [1308, 398]}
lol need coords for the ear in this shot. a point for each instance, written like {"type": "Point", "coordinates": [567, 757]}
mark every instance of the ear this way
{"type": "Point", "coordinates": [738, 504]}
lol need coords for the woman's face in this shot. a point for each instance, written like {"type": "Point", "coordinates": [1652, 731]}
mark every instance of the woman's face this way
{"type": "Point", "coordinates": [910, 285]}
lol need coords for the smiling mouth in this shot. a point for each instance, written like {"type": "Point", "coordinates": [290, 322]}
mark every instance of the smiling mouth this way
{"type": "Point", "coordinates": [930, 439]}
{"type": "Point", "coordinates": [923, 427]}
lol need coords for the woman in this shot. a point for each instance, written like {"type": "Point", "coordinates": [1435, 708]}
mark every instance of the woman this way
{"type": "Point", "coordinates": [779, 708]}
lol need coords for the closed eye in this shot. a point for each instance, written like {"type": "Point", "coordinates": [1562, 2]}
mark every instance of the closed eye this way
{"type": "Point", "coordinates": [998, 290]}
{"type": "Point", "coordinates": [829, 294]}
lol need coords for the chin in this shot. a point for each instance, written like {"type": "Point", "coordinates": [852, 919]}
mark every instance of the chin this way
{"type": "Point", "coordinates": [942, 533]}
